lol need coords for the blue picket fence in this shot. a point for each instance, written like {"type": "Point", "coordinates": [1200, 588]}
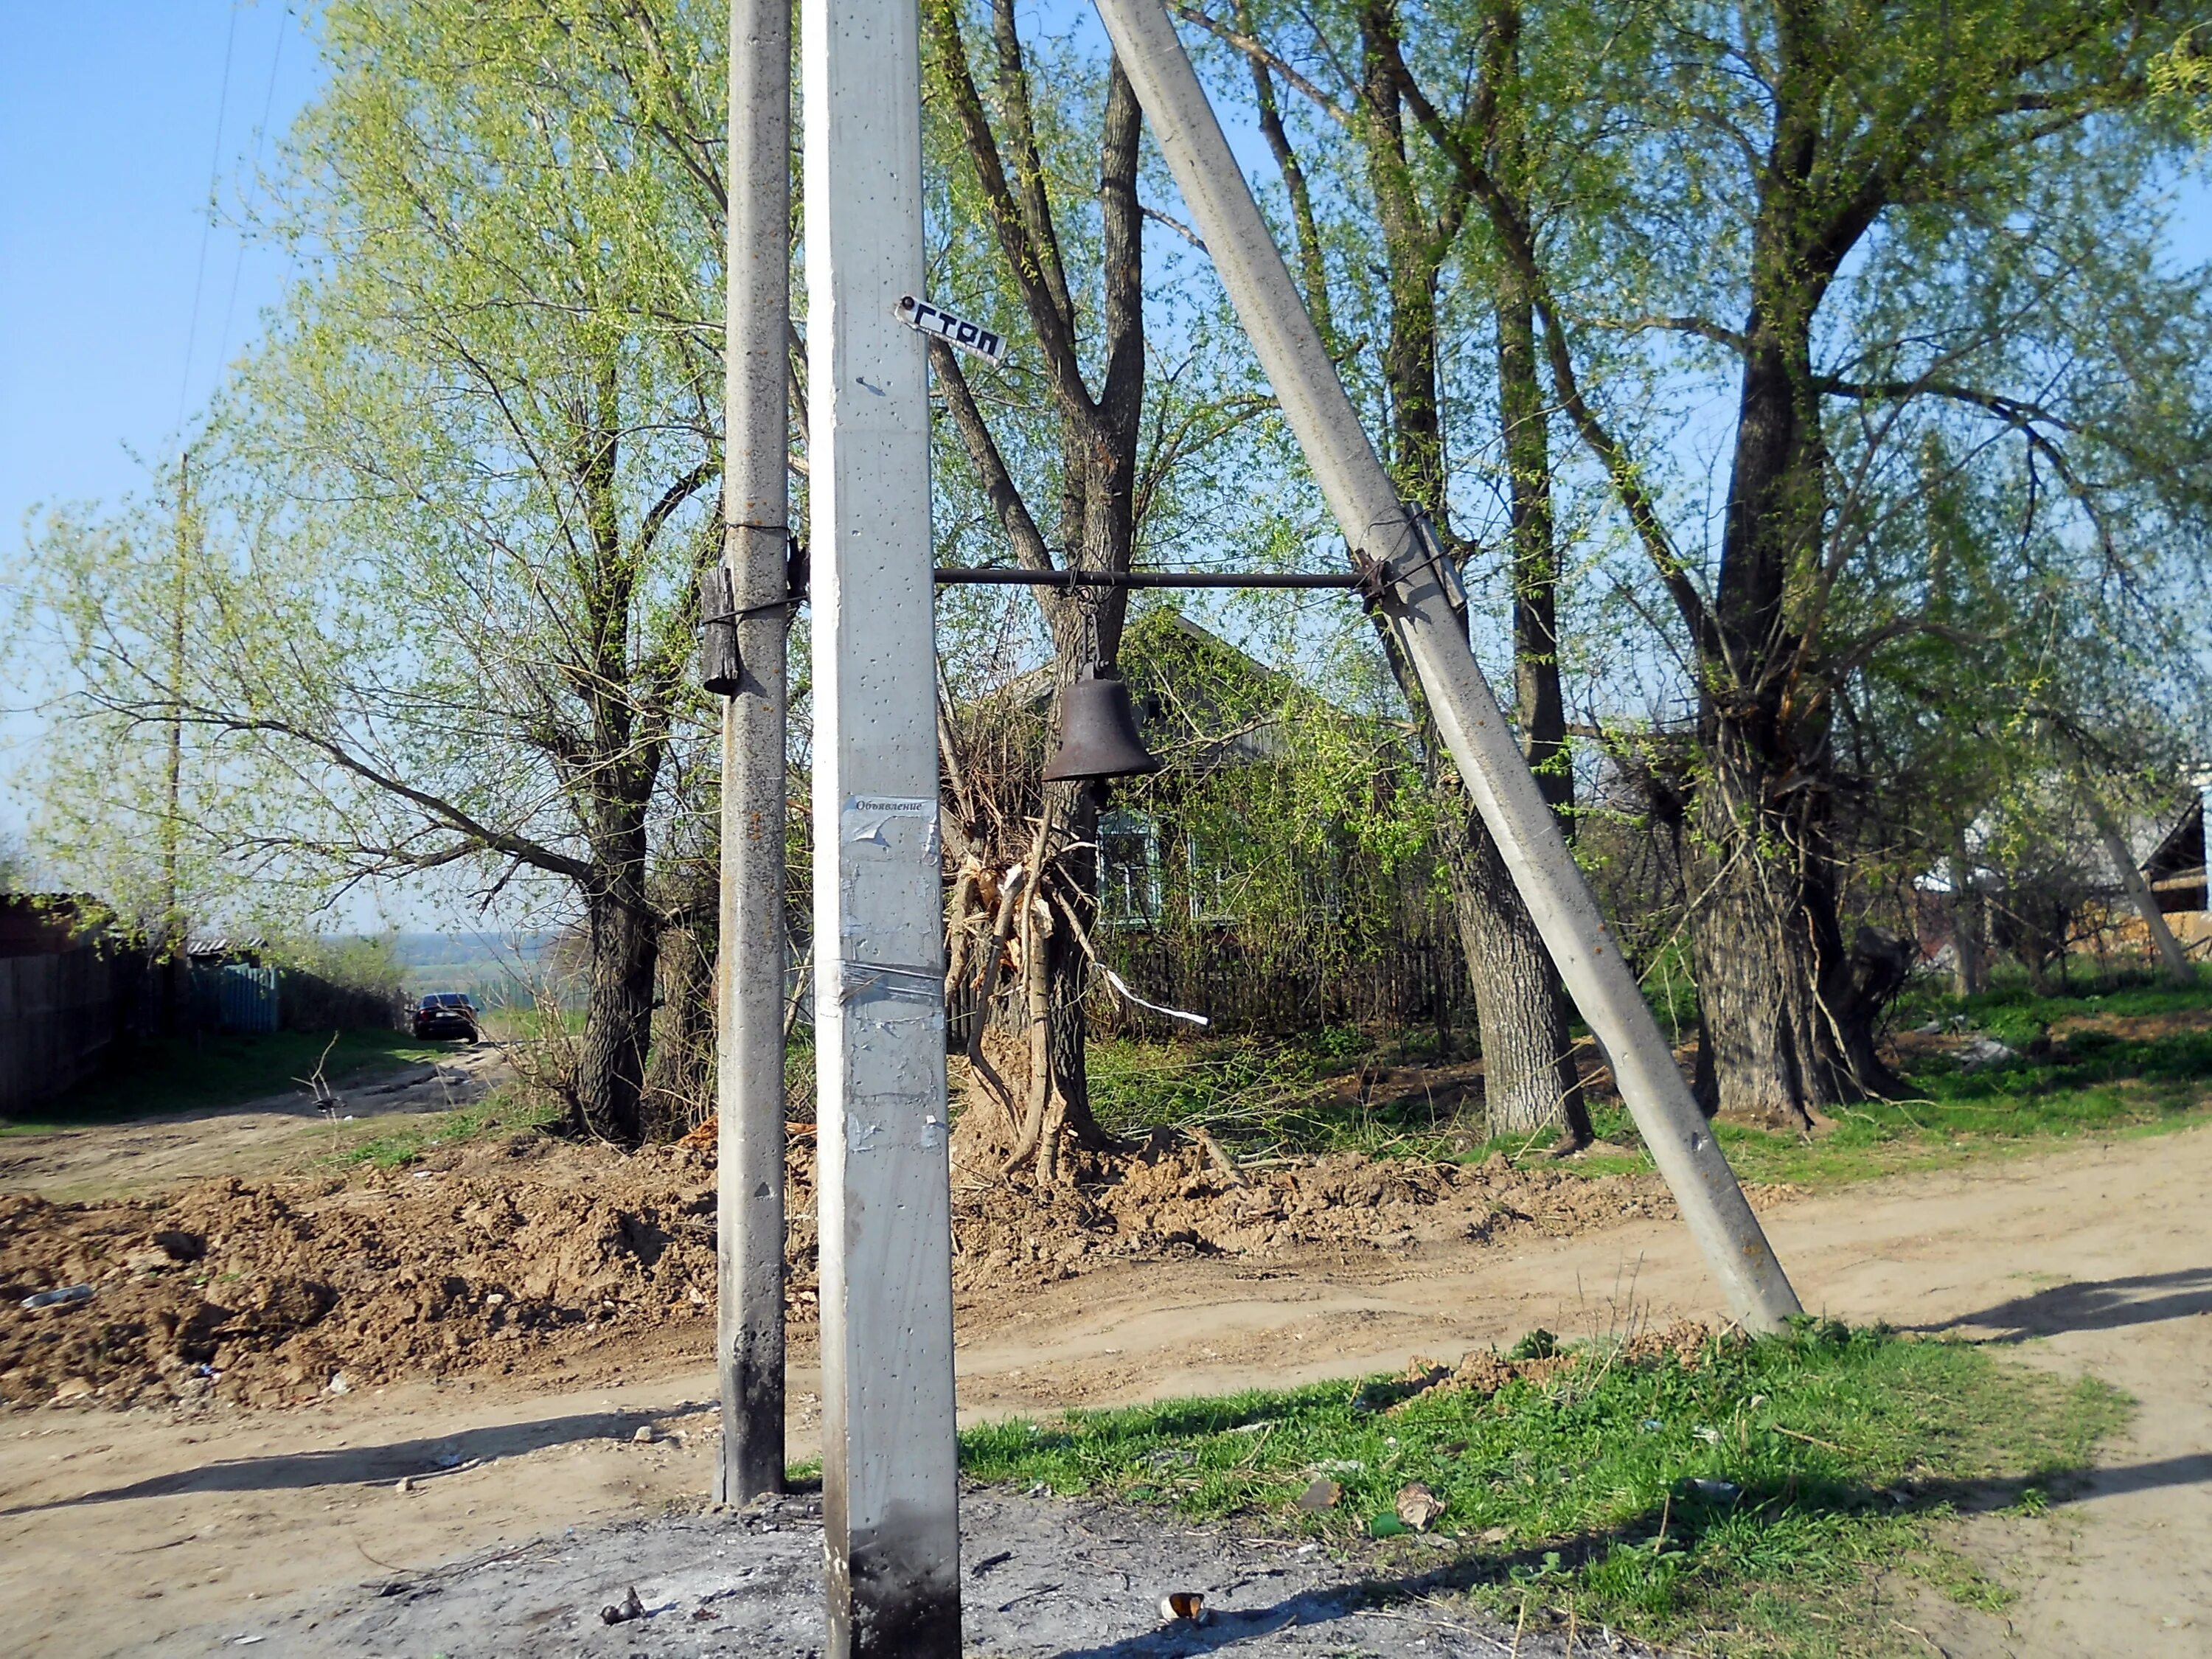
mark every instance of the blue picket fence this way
{"type": "Point", "coordinates": [237, 998]}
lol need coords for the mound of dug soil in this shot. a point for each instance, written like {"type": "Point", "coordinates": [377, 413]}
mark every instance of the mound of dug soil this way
{"type": "Point", "coordinates": [1174, 1198]}
{"type": "Point", "coordinates": [1686, 1343]}
{"type": "Point", "coordinates": [267, 1292]}
{"type": "Point", "coordinates": [509, 1257]}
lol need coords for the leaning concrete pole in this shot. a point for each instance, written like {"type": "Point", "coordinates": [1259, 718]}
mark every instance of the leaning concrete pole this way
{"type": "Point", "coordinates": [1375, 523]}
{"type": "Point", "coordinates": [890, 1466]}
{"type": "Point", "coordinates": [756, 534]}
{"type": "Point", "coordinates": [2138, 891]}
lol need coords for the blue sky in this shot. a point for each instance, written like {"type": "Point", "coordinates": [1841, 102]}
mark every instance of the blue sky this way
{"type": "Point", "coordinates": [121, 296]}
{"type": "Point", "coordinates": [119, 302]}
{"type": "Point", "coordinates": [108, 128]}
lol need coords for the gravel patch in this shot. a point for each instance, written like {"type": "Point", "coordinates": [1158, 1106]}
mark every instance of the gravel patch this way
{"type": "Point", "coordinates": [1041, 1578]}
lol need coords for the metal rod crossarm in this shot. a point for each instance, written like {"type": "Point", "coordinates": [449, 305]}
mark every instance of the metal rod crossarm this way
{"type": "Point", "coordinates": [1008, 576]}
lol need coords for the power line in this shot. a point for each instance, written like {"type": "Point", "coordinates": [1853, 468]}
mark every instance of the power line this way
{"type": "Point", "coordinates": [207, 227]}
{"type": "Point", "coordinates": [260, 132]}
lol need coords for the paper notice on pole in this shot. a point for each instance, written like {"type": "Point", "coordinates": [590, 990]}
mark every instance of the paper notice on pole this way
{"type": "Point", "coordinates": [888, 904]}
{"type": "Point", "coordinates": [864, 807]}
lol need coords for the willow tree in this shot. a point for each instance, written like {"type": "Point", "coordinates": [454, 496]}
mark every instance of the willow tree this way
{"type": "Point", "coordinates": [1870, 221]}
{"type": "Point", "coordinates": [1039, 227]}
{"type": "Point", "coordinates": [1859, 225]}
{"type": "Point", "coordinates": [1919, 212]}
{"type": "Point", "coordinates": [1405, 200]}
{"type": "Point", "coordinates": [130, 802]}
{"type": "Point", "coordinates": [464, 489]}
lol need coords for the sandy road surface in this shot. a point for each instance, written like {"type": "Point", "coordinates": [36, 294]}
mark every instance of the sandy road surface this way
{"type": "Point", "coordinates": [2095, 1258]}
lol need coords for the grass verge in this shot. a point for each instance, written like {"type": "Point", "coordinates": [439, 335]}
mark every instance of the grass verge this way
{"type": "Point", "coordinates": [152, 1078]}
{"type": "Point", "coordinates": [1739, 1495]}
{"type": "Point", "coordinates": [2128, 1059]}
{"type": "Point", "coordinates": [394, 1143]}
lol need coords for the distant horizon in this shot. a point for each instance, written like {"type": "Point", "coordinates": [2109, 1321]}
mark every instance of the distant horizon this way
{"type": "Point", "coordinates": [422, 948]}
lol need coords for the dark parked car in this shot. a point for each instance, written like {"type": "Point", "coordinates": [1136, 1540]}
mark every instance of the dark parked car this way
{"type": "Point", "coordinates": [447, 1014]}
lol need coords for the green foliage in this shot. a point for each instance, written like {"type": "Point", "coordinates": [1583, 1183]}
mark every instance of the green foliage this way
{"type": "Point", "coordinates": [113, 609]}
{"type": "Point", "coordinates": [1289, 811]}
{"type": "Point", "coordinates": [493, 418]}
{"type": "Point", "coordinates": [433, 588]}
{"type": "Point", "coordinates": [1728, 1490]}
{"type": "Point", "coordinates": [430, 609]}
{"type": "Point", "coordinates": [1258, 1094]}
{"type": "Point", "coordinates": [354, 962]}
{"type": "Point", "coordinates": [2181, 77]}
{"type": "Point", "coordinates": [2090, 1083]}
{"type": "Point", "coordinates": [1306, 1096]}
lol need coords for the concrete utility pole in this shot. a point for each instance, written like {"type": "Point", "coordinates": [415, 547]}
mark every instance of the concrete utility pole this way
{"type": "Point", "coordinates": [2138, 891]}
{"type": "Point", "coordinates": [1376, 523]}
{"type": "Point", "coordinates": [756, 778]}
{"type": "Point", "coordinates": [889, 1463]}
{"type": "Point", "coordinates": [175, 966]}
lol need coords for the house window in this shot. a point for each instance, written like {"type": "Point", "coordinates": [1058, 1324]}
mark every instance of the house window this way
{"type": "Point", "coordinates": [1211, 885]}
{"type": "Point", "coordinates": [1129, 868]}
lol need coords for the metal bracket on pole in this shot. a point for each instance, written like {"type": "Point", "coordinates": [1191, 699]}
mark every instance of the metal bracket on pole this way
{"type": "Point", "coordinates": [1439, 564]}
{"type": "Point", "coordinates": [1418, 601]}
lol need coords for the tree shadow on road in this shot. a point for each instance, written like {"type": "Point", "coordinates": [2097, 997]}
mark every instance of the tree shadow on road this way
{"type": "Point", "coordinates": [426, 1459]}
{"type": "Point", "coordinates": [2103, 1304]}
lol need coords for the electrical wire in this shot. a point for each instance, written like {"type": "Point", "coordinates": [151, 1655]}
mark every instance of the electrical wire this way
{"type": "Point", "coordinates": [207, 226]}
{"type": "Point", "coordinates": [260, 133]}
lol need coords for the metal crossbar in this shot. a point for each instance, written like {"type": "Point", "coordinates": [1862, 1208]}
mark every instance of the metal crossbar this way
{"type": "Point", "coordinates": [1010, 577]}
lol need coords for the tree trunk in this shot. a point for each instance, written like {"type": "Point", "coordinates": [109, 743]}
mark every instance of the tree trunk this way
{"type": "Point", "coordinates": [2176, 960]}
{"type": "Point", "coordinates": [1704, 1075]}
{"type": "Point", "coordinates": [1539, 702]}
{"type": "Point", "coordinates": [1791, 1029]}
{"type": "Point", "coordinates": [1968, 976]}
{"type": "Point", "coordinates": [610, 1077]}
{"type": "Point", "coordinates": [1068, 1114]}
{"type": "Point", "coordinates": [1754, 984]}
{"type": "Point", "coordinates": [1525, 1001]}
{"type": "Point", "coordinates": [1861, 983]}
{"type": "Point", "coordinates": [679, 1075]}
{"type": "Point", "coordinates": [1530, 1081]}
{"type": "Point", "coordinates": [1788, 1011]}
{"type": "Point", "coordinates": [1099, 516]}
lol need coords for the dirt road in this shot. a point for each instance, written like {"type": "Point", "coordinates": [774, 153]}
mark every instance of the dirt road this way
{"type": "Point", "coordinates": [279, 1134]}
{"type": "Point", "coordinates": [130, 1532]}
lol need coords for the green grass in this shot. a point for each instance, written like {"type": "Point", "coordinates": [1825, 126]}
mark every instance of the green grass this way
{"type": "Point", "coordinates": [1289, 1097]}
{"type": "Point", "coordinates": [2088, 1082]}
{"type": "Point", "coordinates": [1827, 1455]}
{"type": "Point", "coordinates": [149, 1079]}
{"type": "Point", "coordinates": [2014, 1008]}
{"type": "Point", "coordinates": [525, 1022]}
{"type": "Point", "coordinates": [411, 1138]}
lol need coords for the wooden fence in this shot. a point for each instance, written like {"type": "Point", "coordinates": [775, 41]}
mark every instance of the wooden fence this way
{"type": "Point", "coordinates": [1405, 983]}
{"type": "Point", "coordinates": [58, 1014]}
